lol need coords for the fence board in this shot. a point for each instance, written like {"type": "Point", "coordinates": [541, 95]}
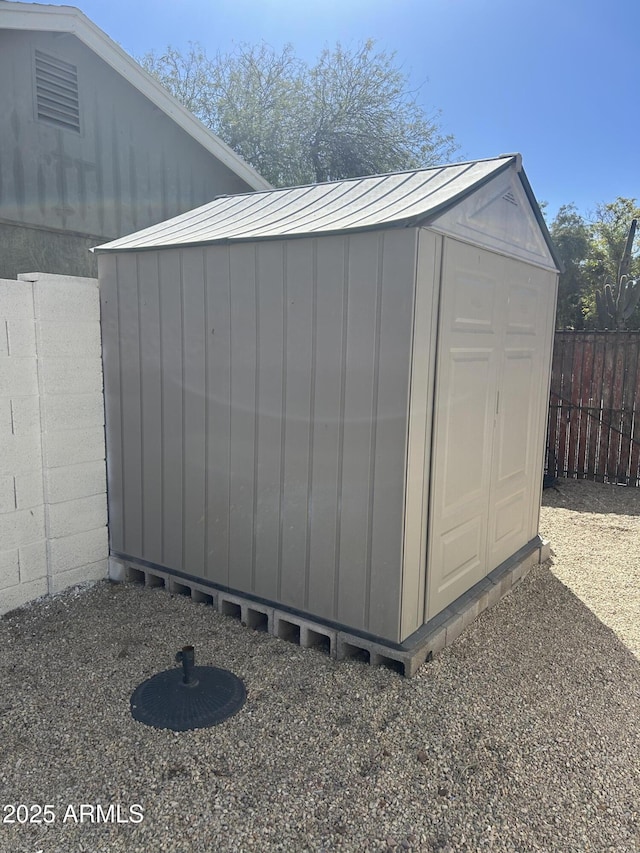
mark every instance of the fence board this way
{"type": "Point", "coordinates": [594, 409]}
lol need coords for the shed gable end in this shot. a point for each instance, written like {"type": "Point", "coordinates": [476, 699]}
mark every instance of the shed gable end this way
{"type": "Point", "coordinates": [498, 216]}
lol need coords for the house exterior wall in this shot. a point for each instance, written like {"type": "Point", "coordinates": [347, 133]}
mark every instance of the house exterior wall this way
{"type": "Point", "coordinates": [53, 511]}
{"type": "Point", "coordinates": [129, 166]}
{"type": "Point", "coordinates": [257, 412]}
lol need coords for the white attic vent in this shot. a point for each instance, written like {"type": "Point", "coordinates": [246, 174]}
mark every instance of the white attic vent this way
{"type": "Point", "coordinates": [509, 196]}
{"type": "Point", "coordinates": [57, 91]}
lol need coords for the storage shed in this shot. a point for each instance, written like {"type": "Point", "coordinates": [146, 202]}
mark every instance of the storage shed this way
{"type": "Point", "coordinates": [332, 399]}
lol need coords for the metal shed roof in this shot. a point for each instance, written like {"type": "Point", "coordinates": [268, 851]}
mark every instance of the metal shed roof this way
{"type": "Point", "coordinates": [400, 199]}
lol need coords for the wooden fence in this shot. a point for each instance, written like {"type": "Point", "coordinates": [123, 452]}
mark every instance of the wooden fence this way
{"type": "Point", "coordinates": [594, 410]}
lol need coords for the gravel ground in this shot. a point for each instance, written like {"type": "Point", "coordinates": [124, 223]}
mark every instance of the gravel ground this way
{"type": "Point", "coordinates": [523, 735]}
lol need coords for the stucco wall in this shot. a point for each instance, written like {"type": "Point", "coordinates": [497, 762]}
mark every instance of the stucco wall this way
{"type": "Point", "coordinates": [53, 512]}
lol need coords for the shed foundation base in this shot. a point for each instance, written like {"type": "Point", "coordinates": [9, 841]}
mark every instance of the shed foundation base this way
{"type": "Point", "coordinates": [406, 658]}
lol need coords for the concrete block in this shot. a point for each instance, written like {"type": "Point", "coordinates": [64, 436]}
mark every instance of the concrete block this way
{"type": "Point", "coordinates": [21, 338]}
{"type": "Point", "coordinates": [436, 642]}
{"type": "Point", "coordinates": [23, 593]}
{"type": "Point", "coordinates": [483, 602]}
{"type": "Point", "coordinates": [70, 375]}
{"type": "Point", "coordinates": [77, 516]}
{"type": "Point", "coordinates": [7, 493]}
{"type": "Point", "coordinates": [544, 551]}
{"type": "Point", "coordinates": [206, 595]}
{"type": "Point", "coordinates": [21, 527]}
{"type": "Point", "coordinates": [350, 646]}
{"type": "Point", "coordinates": [80, 574]}
{"type": "Point", "coordinates": [319, 637]}
{"type": "Point", "coordinates": [454, 628]}
{"type": "Point", "coordinates": [9, 568]}
{"type": "Point", "coordinates": [117, 570]}
{"type": "Point", "coordinates": [16, 300]}
{"type": "Point", "coordinates": [74, 446]}
{"type": "Point", "coordinates": [75, 481]}
{"type": "Point", "coordinates": [80, 549]}
{"type": "Point", "coordinates": [494, 594]}
{"type": "Point", "coordinates": [73, 411]}
{"type": "Point", "coordinates": [18, 377]}
{"type": "Point", "coordinates": [505, 584]}
{"type": "Point", "coordinates": [286, 627]}
{"type": "Point", "coordinates": [33, 561]}
{"type": "Point", "coordinates": [29, 489]}
{"type": "Point", "coordinates": [69, 340]}
{"type": "Point", "coordinates": [20, 453]}
{"type": "Point", "coordinates": [516, 574]}
{"type": "Point", "coordinates": [307, 633]}
{"type": "Point", "coordinates": [67, 298]}
{"type": "Point", "coordinates": [154, 577]}
{"type": "Point", "coordinates": [470, 613]}
{"type": "Point", "coordinates": [25, 415]}
{"type": "Point", "coordinates": [121, 571]}
{"type": "Point", "coordinates": [231, 605]}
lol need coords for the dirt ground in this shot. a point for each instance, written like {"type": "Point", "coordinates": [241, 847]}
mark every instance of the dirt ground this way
{"type": "Point", "coordinates": [594, 530]}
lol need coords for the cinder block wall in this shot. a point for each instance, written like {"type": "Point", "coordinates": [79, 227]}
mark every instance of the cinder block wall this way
{"type": "Point", "coordinates": [53, 507]}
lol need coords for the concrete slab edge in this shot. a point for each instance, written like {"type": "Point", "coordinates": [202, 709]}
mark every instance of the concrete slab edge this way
{"type": "Point", "coordinates": [337, 644]}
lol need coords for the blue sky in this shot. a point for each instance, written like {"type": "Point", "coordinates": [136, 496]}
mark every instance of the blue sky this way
{"type": "Point", "coordinates": [556, 80]}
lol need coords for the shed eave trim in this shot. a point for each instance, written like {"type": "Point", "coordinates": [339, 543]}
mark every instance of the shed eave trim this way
{"type": "Point", "coordinates": [227, 241]}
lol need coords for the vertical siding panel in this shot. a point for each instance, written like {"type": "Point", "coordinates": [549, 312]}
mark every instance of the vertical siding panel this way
{"type": "Point", "coordinates": [360, 365]}
{"type": "Point", "coordinates": [299, 335]}
{"type": "Point", "coordinates": [323, 522]}
{"type": "Point", "coordinates": [243, 392]}
{"type": "Point", "coordinates": [131, 395]}
{"type": "Point", "coordinates": [270, 355]}
{"type": "Point", "coordinates": [397, 278]}
{"type": "Point", "coordinates": [219, 407]}
{"type": "Point", "coordinates": [194, 397]}
{"type": "Point", "coordinates": [172, 427]}
{"type": "Point", "coordinates": [111, 367]}
{"type": "Point", "coordinates": [151, 390]}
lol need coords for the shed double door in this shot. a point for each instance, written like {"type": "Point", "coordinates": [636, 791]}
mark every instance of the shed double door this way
{"type": "Point", "coordinates": [491, 377]}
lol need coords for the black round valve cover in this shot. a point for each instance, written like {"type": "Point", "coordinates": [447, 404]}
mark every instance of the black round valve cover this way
{"type": "Point", "coordinates": [166, 701]}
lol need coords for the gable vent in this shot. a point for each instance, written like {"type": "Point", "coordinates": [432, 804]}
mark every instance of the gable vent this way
{"type": "Point", "coordinates": [57, 92]}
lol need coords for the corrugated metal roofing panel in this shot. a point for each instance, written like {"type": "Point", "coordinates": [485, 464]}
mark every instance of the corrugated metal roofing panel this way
{"type": "Point", "coordinates": [399, 198]}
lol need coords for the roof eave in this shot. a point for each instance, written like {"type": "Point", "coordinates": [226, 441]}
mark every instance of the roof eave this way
{"type": "Point", "coordinates": [68, 19]}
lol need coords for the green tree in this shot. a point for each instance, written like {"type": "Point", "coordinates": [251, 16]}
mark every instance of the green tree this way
{"type": "Point", "coordinates": [572, 238]}
{"type": "Point", "coordinates": [609, 230]}
{"type": "Point", "coordinates": [349, 114]}
{"type": "Point", "coordinates": [591, 251]}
